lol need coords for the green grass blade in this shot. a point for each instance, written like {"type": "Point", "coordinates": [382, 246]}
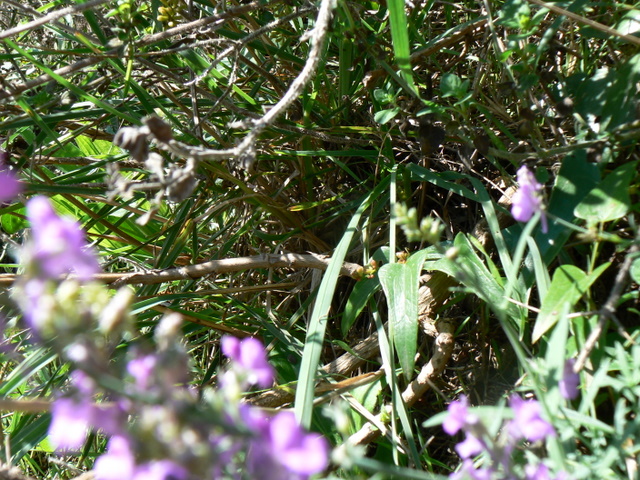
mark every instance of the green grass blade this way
{"type": "Point", "coordinates": [400, 37]}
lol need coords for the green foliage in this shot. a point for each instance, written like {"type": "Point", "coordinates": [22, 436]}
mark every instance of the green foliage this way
{"type": "Point", "coordinates": [431, 106]}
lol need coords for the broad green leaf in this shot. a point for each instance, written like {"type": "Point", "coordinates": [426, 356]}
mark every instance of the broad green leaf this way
{"type": "Point", "coordinates": [400, 284]}
{"type": "Point", "coordinates": [568, 285]}
{"type": "Point", "coordinates": [385, 116]}
{"type": "Point", "coordinates": [610, 199]}
{"type": "Point", "coordinates": [452, 86]}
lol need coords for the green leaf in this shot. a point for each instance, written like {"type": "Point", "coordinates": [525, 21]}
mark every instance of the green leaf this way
{"type": "Point", "coordinates": [469, 270]}
{"type": "Point", "coordinates": [12, 223]}
{"type": "Point", "coordinates": [453, 86]}
{"type": "Point", "coordinates": [575, 179]}
{"type": "Point", "coordinates": [385, 116]}
{"type": "Point", "coordinates": [635, 270]}
{"type": "Point", "coordinates": [514, 14]}
{"type": "Point", "coordinates": [610, 199]}
{"type": "Point", "coordinates": [318, 323]}
{"type": "Point", "coordinates": [400, 284]}
{"type": "Point", "coordinates": [400, 38]}
{"type": "Point", "coordinates": [360, 295]}
{"type": "Point", "coordinates": [568, 285]}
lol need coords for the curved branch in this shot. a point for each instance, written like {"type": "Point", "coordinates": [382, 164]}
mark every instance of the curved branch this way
{"type": "Point", "coordinates": [227, 265]}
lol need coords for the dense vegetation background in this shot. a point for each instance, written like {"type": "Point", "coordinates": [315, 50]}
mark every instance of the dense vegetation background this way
{"type": "Point", "coordinates": [253, 190]}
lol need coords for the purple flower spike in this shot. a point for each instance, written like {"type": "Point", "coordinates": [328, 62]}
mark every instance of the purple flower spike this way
{"type": "Point", "coordinates": [58, 243]}
{"type": "Point", "coordinates": [528, 200]}
{"type": "Point", "coordinates": [570, 381]}
{"type": "Point", "coordinates": [527, 422]}
{"type": "Point", "coordinates": [250, 356]}
{"type": "Point", "coordinates": [459, 417]}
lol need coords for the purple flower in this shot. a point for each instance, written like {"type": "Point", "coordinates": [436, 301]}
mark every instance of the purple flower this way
{"type": "Point", "coordinates": [300, 452]}
{"type": "Point", "coordinates": [459, 417]}
{"type": "Point", "coordinates": [537, 472]}
{"type": "Point", "coordinates": [527, 422]}
{"type": "Point", "coordinates": [468, 470]}
{"type": "Point", "coordinates": [10, 186]}
{"type": "Point", "coordinates": [160, 470]}
{"type": "Point", "coordinates": [70, 422]}
{"type": "Point", "coordinates": [470, 447]}
{"type": "Point", "coordinates": [83, 383]}
{"type": "Point", "coordinates": [72, 417]}
{"type": "Point", "coordinates": [118, 463]}
{"type": "Point", "coordinates": [141, 369]}
{"type": "Point", "coordinates": [528, 199]}
{"type": "Point", "coordinates": [58, 243]}
{"type": "Point", "coordinates": [570, 381]}
{"type": "Point", "coordinates": [38, 304]}
{"type": "Point", "coordinates": [250, 356]}
{"type": "Point", "coordinates": [281, 449]}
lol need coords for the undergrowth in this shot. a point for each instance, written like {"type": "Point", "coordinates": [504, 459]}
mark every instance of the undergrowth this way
{"type": "Point", "coordinates": [432, 105]}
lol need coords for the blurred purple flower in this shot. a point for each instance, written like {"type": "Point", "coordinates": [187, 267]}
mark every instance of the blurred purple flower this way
{"type": "Point", "coordinates": [160, 470]}
{"type": "Point", "coordinates": [83, 383]}
{"type": "Point", "coordinates": [469, 470]}
{"type": "Point", "coordinates": [527, 422]}
{"type": "Point", "coordinates": [69, 424]}
{"type": "Point", "coordinates": [570, 381]}
{"type": "Point", "coordinates": [300, 452]}
{"type": "Point", "coordinates": [141, 369]}
{"type": "Point", "coordinates": [470, 447]}
{"type": "Point", "coordinates": [10, 186]}
{"type": "Point", "coordinates": [281, 449]}
{"type": "Point", "coordinates": [251, 357]}
{"type": "Point", "coordinates": [537, 472]}
{"type": "Point", "coordinates": [459, 417]}
{"type": "Point", "coordinates": [119, 461]}
{"type": "Point", "coordinates": [38, 304]}
{"type": "Point", "coordinates": [528, 199]}
{"type": "Point", "coordinates": [72, 417]}
{"type": "Point", "coordinates": [59, 244]}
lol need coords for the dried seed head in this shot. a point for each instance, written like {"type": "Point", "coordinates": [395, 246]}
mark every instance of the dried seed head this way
{"type": "Point", "coordinates": [158, 128]}
{"type": "Point", "coordinates": [133, 139]}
